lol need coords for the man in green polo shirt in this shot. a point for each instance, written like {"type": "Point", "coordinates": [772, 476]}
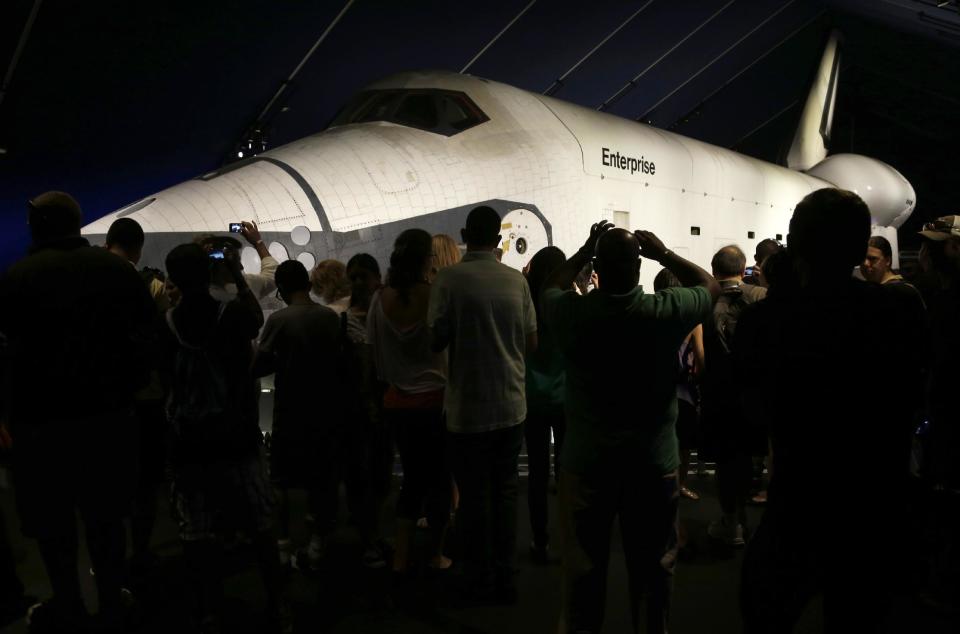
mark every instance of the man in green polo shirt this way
{"type": "Point", "coordinates": [620, 456]}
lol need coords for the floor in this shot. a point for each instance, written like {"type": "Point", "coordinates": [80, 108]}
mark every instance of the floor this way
{"type": "Point", "coordinates": [346, 598]}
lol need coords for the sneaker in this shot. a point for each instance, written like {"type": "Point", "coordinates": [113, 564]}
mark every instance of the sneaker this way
{"type": "Point", "coordinates": [280, 617]}
{"type": "Point", "coordinates": [46, 617]}
{"type": "Point", "coordinates": [301, 561]}
{"type": "Point", "coordinates": [310, 559]}
{"type": "Point", "coordinates": [373, 558]}
{"type": "Point", "coordinates": [13, 609]}
{"type": "Point", "coordinates": [730, 534]}
{"type": "Point", "coordinates": [541, 555]}
{"type": "Point", "coordinates": [209, 624]}
{"type": "Point", "coordinates": [285, 551]}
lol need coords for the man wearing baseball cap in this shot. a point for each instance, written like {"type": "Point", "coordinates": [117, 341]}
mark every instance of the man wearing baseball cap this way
{"type": "Point", "coordinates": [940, 255]}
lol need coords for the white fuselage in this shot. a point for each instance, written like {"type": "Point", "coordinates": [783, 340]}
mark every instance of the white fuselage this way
{"type": "Point", "coordinates": [550, 167]}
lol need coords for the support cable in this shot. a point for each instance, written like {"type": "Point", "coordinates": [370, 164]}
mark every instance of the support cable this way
{"type": "Point", "coordinates": [316, 45]}
{"type": "Point", "coordinates": [630, 85]}
{"type": "Point", "coordinates": [497, 37]}
{"type": "Point", "coordinates": [716, 59]}
{"type": "Point", "coordinates": [765, 123]}
{"type": "Point", "coordinates": [753, 63]}
{"type": "Point", "coordinates": [24, 36]}
{"type": "Point", "coordinates": [559, 81]}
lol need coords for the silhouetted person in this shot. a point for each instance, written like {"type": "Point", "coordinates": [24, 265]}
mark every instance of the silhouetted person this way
{"type": "Point", "coordinates": [13, 602]}
{"type": "Point", "coordinates": [413, 402]}
{"type": "Point", "coordinates": [805, 352]}
{"type": "Point", "coordinates": [620, 454]}
{"type": "Point", "coordinates": [730, 440]}
{"type": "Point", "coordinates": [482, 312]}
{"type": "Point", "coordinates": [765, 248]}
{"type": "Point", "coordinates": [330, 284]}
{"type": "Point", "coordinates": [940, 256]}
{"type": "Point", "coordinates": [220, 482]}
{"type": "Point", "coordinates": [125, 238]}
{"type": "Point", "coordinates": [692, 362]}
{"type": "Point", "coordinates": [76, 317]}
{"type": "Point", "coordinates": [545, 378]}
{"type": "Point", "coordinates": [261, 284]}
{"type": "Point", "coordinates": [300, 343]}
{"type": "Point", "coordinates": [370, 459]}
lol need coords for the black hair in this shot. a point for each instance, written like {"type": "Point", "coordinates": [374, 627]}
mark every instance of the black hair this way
{"type": "Point", "coordinates": [189, 268]}
{"type": "Point", "coordinates": [366, 262]}
{"type": "Point", "coordinates": [779, 274]}
{"type": "Point", "coordinates": [665, 279]}
{"type": "Point", "coordinates": [542, 264]}
{"type": "Point", "coordinates": [411, 251]}
{"type": "Point", "coordinates": [127, 234]}
{"type": "Point", "coordinates": [483, 226]}
{"type": "Point", "coordinates": [829, 230]}
{"type": "Point", "coordinates": [879, 242]}
{"type": "Point", "coordinates": [766, 248]}
{"type": "Point", "coordinates": [728, 261]}
{"type": "Point", "coordinates": [52, 216]}
{"type": "Point", "coordinates": [291, 276]}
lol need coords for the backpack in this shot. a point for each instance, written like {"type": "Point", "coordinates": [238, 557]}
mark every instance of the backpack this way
{"type": "Point", "coordinates": [726, 312]}
{"type": "Point", "coordinates": [200, 407]}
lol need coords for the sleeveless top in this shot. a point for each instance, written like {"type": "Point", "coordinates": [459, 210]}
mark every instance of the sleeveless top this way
{"type": "Point", "coordinates": [403, 356]}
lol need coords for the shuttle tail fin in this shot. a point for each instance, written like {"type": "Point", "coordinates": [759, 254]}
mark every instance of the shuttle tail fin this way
{"type": "Point", "coordinates": [812, 138]}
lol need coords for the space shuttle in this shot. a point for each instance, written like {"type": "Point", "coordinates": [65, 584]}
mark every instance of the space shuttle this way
{"type": "Point", "coordinates": [421, 149]}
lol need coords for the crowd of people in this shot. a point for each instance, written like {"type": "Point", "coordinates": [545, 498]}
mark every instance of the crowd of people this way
{"type": "Point", "coordinates": [117, 380]}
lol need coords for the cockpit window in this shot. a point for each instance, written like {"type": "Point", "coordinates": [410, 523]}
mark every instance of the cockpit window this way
{"type": "Point", "coordinates": [443, 112]}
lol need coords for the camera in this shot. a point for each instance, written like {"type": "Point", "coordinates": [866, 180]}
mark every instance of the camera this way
{"type": "Point", "coordinates": [236, 227]}
{"type": "Point", "coordinates": [217, 254]}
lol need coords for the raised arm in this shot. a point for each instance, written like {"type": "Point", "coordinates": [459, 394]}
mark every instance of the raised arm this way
{"type": "Point", "coordinates": [686, 271]}
{"type": "Point", "coordinates": [245, 296]}
{"type": "Point", "coordinates": [565, 275]}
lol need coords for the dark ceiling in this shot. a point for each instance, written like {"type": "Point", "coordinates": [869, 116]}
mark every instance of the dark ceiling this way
{"type": "Point", "coordinates": [112, 100]}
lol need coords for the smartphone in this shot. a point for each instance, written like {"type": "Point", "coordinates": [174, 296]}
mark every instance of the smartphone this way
{"type": "Point", "coordinates": [236, 227]}
{"type": "Point", "coordinates": [748, 272]}
{"type": "Point", "coordinates": [217, 255]}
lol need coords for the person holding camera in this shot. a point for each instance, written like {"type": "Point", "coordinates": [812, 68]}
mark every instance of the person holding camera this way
{"type": "Point", "coordinates": [220, 480]}
{"type": "Point", "coordinates": [261, 284]}
{"type": "Point", "coordinates": [620, 456]}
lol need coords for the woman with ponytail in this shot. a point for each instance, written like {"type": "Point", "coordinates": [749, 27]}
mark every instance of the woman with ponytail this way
{"type": "Point", "coordinates": [413, 403]}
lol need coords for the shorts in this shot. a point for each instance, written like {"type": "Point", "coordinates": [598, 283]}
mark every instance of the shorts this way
{"type": "Point", "coordinates": [213, 499]}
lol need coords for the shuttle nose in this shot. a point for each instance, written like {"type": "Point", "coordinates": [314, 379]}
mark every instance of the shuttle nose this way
{"type": "Point", "coordinates": [263, 188]}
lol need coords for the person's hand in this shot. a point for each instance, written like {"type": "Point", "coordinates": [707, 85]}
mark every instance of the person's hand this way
{"type": "Point", "coordinates": [249, 230]}
{"type": "Point", "coordinates": [651, 247]}
{"type": "Point", "coordinates": [231, 258]}
{"type": "Point", "coordinates": [598, 229]}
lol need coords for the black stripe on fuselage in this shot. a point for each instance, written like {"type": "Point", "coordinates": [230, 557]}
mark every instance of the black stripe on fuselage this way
{"type": "Point", "coordinates": [377, 240]}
